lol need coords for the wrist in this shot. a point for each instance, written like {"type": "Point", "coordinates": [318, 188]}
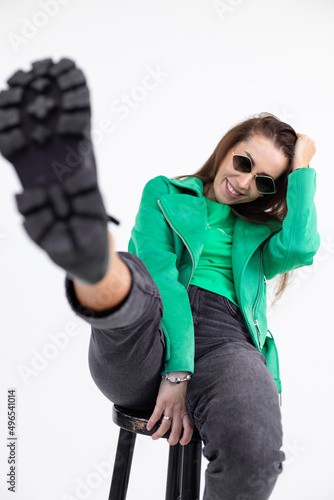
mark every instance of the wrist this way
{"type": "Point", "coordinates": [298, 166]}
{"type": "Point", "coordinates": [178, 373]}
{"type": "Point", "coordinates": [177, 377]}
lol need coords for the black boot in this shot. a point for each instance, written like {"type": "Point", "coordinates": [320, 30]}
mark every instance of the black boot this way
{"type": "Point", "coordinates": [45, 134]}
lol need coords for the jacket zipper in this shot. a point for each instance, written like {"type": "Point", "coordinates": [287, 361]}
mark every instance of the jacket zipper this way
{"type": "Point", "coordinates": [185, 244]}
{"type": "Point", "coordinates": [256, 322]}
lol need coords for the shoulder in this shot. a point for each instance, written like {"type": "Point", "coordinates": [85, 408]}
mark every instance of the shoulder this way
{"type": "Point", "coordinates": [159, 183]}
{"type": "Point", "coordinates": [177, 185]}
{"type": "Point", "coordinates": [164, 185]}
{"type": "Point", "coordinates": [155, 189]}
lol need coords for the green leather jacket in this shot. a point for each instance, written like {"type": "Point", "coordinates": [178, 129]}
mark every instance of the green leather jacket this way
{"type": "Point", "coordinates": [169, 235]}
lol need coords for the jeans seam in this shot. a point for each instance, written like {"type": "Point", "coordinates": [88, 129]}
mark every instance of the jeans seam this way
{"type": "Point", "coordinates": [237, 314]}
{"type": "Point", "coordinates": [198, 421]}
{"type": "Point", "coordinates": [230, 308]}
{"type": "Point", "coordinates": [194, 300]}
{"type": "Point", "coordinates": [200, 304]}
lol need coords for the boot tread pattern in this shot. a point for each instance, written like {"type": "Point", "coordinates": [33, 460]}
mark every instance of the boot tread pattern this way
{"type": "Point", "coordinates": [71, 94]}
{"type": "Point", "coordinates": [45, 133]}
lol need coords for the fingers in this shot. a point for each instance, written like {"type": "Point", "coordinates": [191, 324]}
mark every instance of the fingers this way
{"type": "Point", "coordinates": [306, 140]}
{"type": "Point", "coordinates": [171, 409]}
{"type": "Point", "coordinates": [165, 422]}
{"type": "Point", "coordinates": [175, 431]}
{"type": "Point", "coordinates": [164, 426]}
{"type": "Point", "coordinates": [303, 152]}
{"type": "Point", "coordinates": [188, 430]}
{"type": "Point", "coordinates": [176, 424]}
{"type": "Point", "coordinates": [157, 412]}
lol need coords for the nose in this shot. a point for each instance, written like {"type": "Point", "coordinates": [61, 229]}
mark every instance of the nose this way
{"type": "Point", "coordinates": [245, 180]}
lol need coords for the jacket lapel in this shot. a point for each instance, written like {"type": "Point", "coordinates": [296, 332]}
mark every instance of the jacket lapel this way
{"type": "Point", "coordinates": [247, 237]}
{"type": "Point", "coordinates": [187, 214]}
{"type": "Point", "coordinates": [188, 217]}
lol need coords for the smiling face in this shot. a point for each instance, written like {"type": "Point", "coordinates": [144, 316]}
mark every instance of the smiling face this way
{"type": "Point", "coordinates": [266, 159]}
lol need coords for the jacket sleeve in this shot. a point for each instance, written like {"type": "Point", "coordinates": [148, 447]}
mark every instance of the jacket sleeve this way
{"type": "Point", "coordinates": [152, 241]}
{"type": "Point", "coordinates": [298, 240]}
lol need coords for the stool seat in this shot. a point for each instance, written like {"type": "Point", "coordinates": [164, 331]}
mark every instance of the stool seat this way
{"type": "Point", "coordinates": [184, 463]}
{"type": "Point", "coordinates": [136, 421]}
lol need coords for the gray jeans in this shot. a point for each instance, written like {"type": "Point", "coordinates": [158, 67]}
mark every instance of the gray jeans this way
{"type": "Point", "coordinates": [232, 397]}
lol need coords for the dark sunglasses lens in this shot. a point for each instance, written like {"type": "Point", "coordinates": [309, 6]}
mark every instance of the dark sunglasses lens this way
{"type": "Point", "coordinates": [242, 163]}
{"type": "Point", "coordinates": [265, 185]}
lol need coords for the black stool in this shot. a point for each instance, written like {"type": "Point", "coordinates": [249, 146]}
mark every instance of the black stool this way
{"type": "Point", "coordinates": [184, 462]}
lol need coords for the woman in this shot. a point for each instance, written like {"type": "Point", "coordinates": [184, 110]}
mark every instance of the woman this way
{"type": "Point", "coordinates": [179, 321]}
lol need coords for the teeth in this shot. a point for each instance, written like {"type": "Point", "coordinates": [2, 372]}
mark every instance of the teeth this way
{"type": "Point", "coordinates": [229, 187]}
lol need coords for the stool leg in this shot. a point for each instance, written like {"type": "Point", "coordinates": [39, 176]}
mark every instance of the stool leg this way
{"type": "Point", "coordinates": [174, 473]}
{"type": "Point", "coordinates": [191, 460]}
{"type": "Point", "coordinates": [122, 466]}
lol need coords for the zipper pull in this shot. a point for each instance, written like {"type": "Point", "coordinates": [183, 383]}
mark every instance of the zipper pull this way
{"type": "Point", "coordinates": [256, 323]}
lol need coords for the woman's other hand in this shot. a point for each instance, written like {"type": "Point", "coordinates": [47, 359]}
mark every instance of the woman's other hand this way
{"type": "Point", "coordinates": [171, 402]}
{"type": "Point", "coordinates": [304, 152]}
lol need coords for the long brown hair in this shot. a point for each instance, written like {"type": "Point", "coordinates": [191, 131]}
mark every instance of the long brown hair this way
{"type": "Point", "coordinates": [266, 208]}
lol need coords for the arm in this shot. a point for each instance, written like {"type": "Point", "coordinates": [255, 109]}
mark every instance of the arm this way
{"type": "Point", "coordinates": [152, 241]}
{"type": "Point", "coordinates": [298, 241]}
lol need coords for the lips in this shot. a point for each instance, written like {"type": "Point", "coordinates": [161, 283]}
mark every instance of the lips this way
{"type": "Point", "coordinates": [229, 187]}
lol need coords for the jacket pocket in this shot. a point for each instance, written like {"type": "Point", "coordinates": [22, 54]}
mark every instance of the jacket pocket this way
{"type": "Point", "coordinates": [232, 308]}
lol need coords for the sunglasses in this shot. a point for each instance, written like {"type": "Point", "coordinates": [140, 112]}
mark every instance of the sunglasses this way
{"type": "Point", "coordinates": [264, 183]}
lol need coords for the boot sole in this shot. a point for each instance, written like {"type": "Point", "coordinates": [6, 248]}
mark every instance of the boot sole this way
{"type": "Point", "coordinates": [45, 130]}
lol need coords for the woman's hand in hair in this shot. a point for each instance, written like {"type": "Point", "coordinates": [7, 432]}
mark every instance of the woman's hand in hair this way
{"type": "Point", "coordinates": [171, 402]}
{"type": "Point", "coordinates": [304, 152]}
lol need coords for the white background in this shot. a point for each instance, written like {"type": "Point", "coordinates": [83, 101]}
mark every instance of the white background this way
{"type": "Point", "coordinates": [221, 62]}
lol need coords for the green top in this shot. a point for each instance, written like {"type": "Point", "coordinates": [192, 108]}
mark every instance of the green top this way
{"type": "Point", "coordinates": [214, 269]}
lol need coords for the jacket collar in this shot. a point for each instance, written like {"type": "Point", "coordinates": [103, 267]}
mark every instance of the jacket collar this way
{"type": "Point", "coordinates": [188, 215]}
{"type": "Point", "coordinates": [189, 183]}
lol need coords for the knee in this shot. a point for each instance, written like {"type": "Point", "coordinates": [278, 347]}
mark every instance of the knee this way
{"type": "Point", "coordinates": [250, 460]}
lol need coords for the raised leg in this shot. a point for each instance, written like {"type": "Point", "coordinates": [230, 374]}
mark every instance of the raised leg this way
{"type": "Point", "coordinates": [45, 133]}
